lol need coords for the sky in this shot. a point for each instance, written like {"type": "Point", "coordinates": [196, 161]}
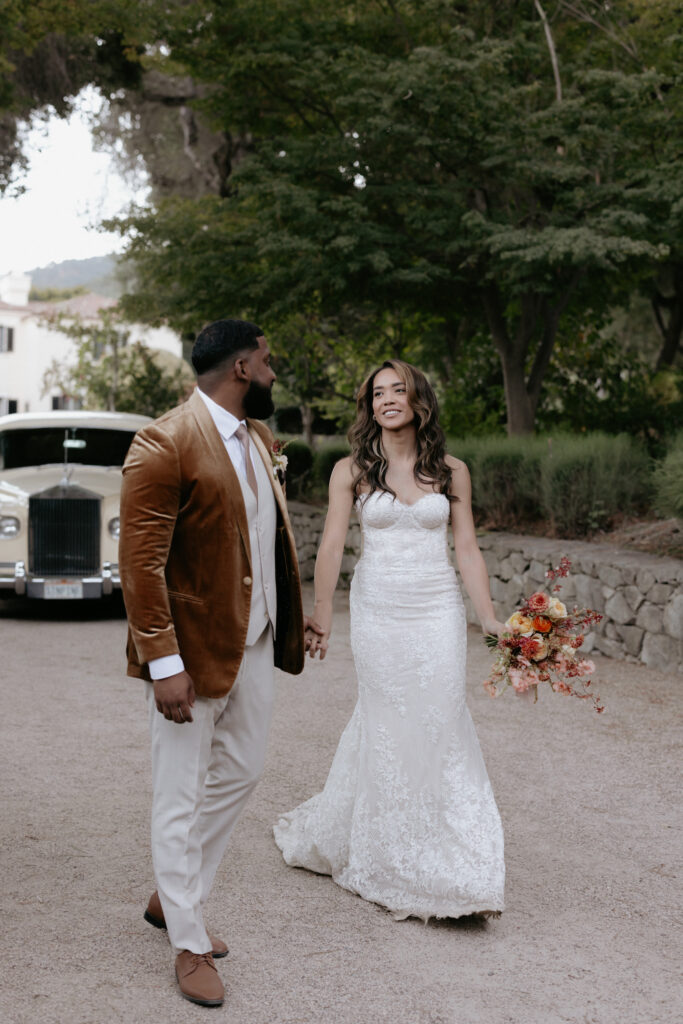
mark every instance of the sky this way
{"type": "Point", "coordinates": [69, 189]}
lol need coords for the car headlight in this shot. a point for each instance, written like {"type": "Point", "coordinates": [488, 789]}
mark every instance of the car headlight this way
{"type": "Point", "coordinates": [114, 527]}
{"type": "Point", "coordinates": [9, 526]}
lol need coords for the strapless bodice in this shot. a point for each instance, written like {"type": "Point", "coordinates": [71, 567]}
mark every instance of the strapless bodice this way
{"type": "Point", "coordinates": [404, 537]}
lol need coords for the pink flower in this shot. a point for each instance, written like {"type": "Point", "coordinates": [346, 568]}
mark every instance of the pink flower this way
{"type": "Point", "coordinates": [538, 602]}
{"type": "Point", "coordinates": [521, 681]}
{"type": "Point", "coordinates": [561, 687]}
{"type": "Point", "coordinates": [561, 662]}
{"type": "Point", "coordinates": [586, 667]}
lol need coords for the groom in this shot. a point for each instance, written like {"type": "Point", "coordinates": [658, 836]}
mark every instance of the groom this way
{"type": "Point", "coordinates": [211, 585]}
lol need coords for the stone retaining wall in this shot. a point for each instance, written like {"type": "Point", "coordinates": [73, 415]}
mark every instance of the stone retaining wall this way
{"type": "Point", "coordinates": [640, 595]}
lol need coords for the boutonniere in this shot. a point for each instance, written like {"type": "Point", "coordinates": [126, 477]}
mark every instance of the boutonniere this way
{"type": "Point", "coordinates": [279, 459]}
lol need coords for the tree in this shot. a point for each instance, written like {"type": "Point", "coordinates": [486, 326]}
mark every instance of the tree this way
{"type": "Point", "coordinates": [109, 373]}
{"type": "Point", "coordinates": [418, 160]}
{"type": "Point", "coordinates": [50, 50]}
{"type": "Point", "coordinates": [488, 168]}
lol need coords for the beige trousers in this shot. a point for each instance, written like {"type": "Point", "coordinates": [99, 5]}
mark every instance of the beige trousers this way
{"type": "Point", "coordinates": [202, 774]}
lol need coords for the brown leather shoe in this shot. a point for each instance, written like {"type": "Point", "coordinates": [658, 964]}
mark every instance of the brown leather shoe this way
{"type": "Point", "coordinates": [198, 978]}
{"type": "Point", "coordinates": [155, 916]}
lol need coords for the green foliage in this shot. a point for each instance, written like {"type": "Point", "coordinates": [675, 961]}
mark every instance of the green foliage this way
{"type": "Point", "coordinates": [668, 481]}
{"type": "Point", "coordinates": [50, 50]}
{"type": "Point", "coordinates": [55, 294]}
{"type": "Point", "coordinates": [472, 399]}
{"type": "Point", "coordinates": [326, 459]}
{"type": "Point", "coordinates": [414, 159]}
{"type": "Point", "coordinates": [585, 482]}
{"type": "Point", "coordinates": [109, 373]}
{"type": "Point", "coordinates": [299, 466]}
{"type": "Point", "coordinates": [395, 178]}
{"type": "Point", "coordinates": [505, 477]}
{"type": "Point", "coordinates": [596, 383]}
{"type": "Point", "coordinates": [576, 485]}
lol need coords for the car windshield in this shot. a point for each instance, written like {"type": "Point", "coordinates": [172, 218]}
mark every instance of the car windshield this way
{"type": "Point", "coordinates": [89, 446]}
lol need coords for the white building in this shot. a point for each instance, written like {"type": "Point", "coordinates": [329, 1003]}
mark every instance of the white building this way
{"type": "Point", "coordinates": [28, 346]}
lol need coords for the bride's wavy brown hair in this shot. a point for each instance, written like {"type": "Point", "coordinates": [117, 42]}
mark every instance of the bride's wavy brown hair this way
{"type": "Point", "coordinates": [365, 436]}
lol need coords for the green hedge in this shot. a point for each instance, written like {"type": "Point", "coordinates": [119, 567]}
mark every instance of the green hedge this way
{"type": "Point", "coordinates": [572, 484]}
{"type": "Point", "coordinates": [326, 459]}
{"type": "Point", "coordinates": [308, 472]}
{"type": "Point", "coordinates": [299, 465]}
{"type": "Point", "coordinates": [575, 483]}
{"type": "Point", "coordinates": [668, 481]}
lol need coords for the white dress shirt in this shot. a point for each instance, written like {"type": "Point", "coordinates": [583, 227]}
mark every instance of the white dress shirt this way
{"type": "Point", "coordinates": [226, 425]}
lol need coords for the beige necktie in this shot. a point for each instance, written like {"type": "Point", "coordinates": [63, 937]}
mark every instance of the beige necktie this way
{"type": "Point", "coordinates": [242, 436]}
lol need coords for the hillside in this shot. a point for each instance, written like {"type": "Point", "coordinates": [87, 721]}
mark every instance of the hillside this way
{"type": "Point", "coordinates": [97, 274]}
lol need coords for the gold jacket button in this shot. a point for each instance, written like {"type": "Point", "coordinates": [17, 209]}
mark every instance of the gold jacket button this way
{"type": "Point", "coordinates": [247, 581]}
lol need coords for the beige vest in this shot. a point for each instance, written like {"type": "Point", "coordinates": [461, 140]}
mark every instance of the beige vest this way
{"type": "Point", "coordinates": [262, 524]}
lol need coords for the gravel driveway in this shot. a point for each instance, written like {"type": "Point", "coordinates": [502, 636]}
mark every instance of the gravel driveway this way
{"type": "Point", "coordinates": [588, 804]}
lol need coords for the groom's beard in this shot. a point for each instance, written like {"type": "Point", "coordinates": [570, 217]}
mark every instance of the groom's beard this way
{"type": "Point", "coordinates": [258, 402]}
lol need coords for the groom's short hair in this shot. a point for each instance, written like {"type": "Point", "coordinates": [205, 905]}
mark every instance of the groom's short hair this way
{"type": "Point", "coordinates": [219, 342]}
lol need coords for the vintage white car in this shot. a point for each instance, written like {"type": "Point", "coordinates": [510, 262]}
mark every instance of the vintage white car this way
{"type": "Point", "coordinates": [60, 480]}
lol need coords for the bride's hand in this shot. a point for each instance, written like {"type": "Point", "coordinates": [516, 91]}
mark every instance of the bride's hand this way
{"type": "Point", "coordinates": [492, 627]}
{"type": "Point", "coordinates": [317, 635]}
{"type": "Point", "coordinates": [317, 640]}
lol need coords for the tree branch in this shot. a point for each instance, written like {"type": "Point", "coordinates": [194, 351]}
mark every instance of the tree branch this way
{"type": "Point", "coordinates": [551, 48]}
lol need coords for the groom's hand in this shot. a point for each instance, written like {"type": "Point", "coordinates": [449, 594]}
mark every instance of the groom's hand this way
{"type": "Point", "coordinates": [174, 697]}
{"type": "Point", "coordinates": [317, 639]}
{"type": "Point", "coordinates": [311, 632]}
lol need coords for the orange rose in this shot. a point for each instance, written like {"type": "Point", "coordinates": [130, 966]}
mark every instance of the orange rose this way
{"type": "Point", "coordinates": [542, 625]}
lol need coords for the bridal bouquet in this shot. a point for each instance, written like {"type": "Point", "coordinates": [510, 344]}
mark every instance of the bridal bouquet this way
{"type": "Point", "coordinates": [542, 646]}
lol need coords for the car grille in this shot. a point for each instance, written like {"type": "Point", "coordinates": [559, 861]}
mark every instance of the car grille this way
{"type": "Point", "coordinates": [64, 533]}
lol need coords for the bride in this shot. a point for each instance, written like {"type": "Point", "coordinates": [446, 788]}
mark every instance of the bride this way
{"type": "Point", "coordinates": [407, 818]}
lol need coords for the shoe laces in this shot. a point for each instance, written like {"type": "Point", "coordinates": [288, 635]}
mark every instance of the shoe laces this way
{"type": "Point", "coordinates": [201, 958]}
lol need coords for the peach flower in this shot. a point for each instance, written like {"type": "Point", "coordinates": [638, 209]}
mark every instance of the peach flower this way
{"type": "Point", "coordinates": [556, 610]}
{"type": "Point", "coordinates": [519, 623]}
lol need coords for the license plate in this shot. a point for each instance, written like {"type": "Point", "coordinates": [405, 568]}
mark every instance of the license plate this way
{"type": "Point", "coordinates": [68, 591]}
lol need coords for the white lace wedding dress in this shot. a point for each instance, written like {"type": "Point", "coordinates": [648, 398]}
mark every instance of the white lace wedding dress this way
{"type": "Point", "coordinates": [407, 818]}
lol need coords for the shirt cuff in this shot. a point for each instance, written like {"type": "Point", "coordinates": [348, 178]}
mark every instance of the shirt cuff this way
{"type": "Point", "coordinates": [162, 668]}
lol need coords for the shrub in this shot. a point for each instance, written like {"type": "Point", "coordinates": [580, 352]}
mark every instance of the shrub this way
{"type": "Point", "coordinates": [575, 482]}
{"type": "Point", "coordinates": [299, 463]}
{"type": "Point", "coordinates": [668, 481]}
{"type": "Point", "coordinates": [505, 472]}
{"type": "Point", "coordinates": [587, 480]}
{"type": "Point", "coordinates": [288, 419]}
{"type": "Point", "coordinates": [325, 460]}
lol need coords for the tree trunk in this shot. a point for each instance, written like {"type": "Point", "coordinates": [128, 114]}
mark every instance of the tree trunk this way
{"type": "Point", "coordinates": [307, 425]}
{"type": "Point", "coordinates": [519, 407]}
{"type": "Point", "coordinates": [536, 315]}
{"type": "Point", "coordinates": [672, 328]}
{"type": "Point", "coordinates": [521, 411]}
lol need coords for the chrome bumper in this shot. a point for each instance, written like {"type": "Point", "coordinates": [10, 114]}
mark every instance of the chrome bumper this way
{"type": "Point", "coordinates": [13, 576]}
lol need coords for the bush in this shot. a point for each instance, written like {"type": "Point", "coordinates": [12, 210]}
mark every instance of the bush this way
{"type": "Point", "coordinates": [299, 464]}
{"type": "Point", "coordinates": [326, 459]}
{"type": "Point", "coordinates": [577, 483]}
{"type": "Point", "coordinates": [586, 481]}
{"type": "Point", "coordinates": [288, 419]}
{"type": "Point", "coordinates": [505, 472]}
{"type": "Point", "coordinates": [668, 481]}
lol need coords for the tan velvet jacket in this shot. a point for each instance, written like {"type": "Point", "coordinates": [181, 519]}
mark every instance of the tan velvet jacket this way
{"type": "Point", "coordinates": [184, 556]}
